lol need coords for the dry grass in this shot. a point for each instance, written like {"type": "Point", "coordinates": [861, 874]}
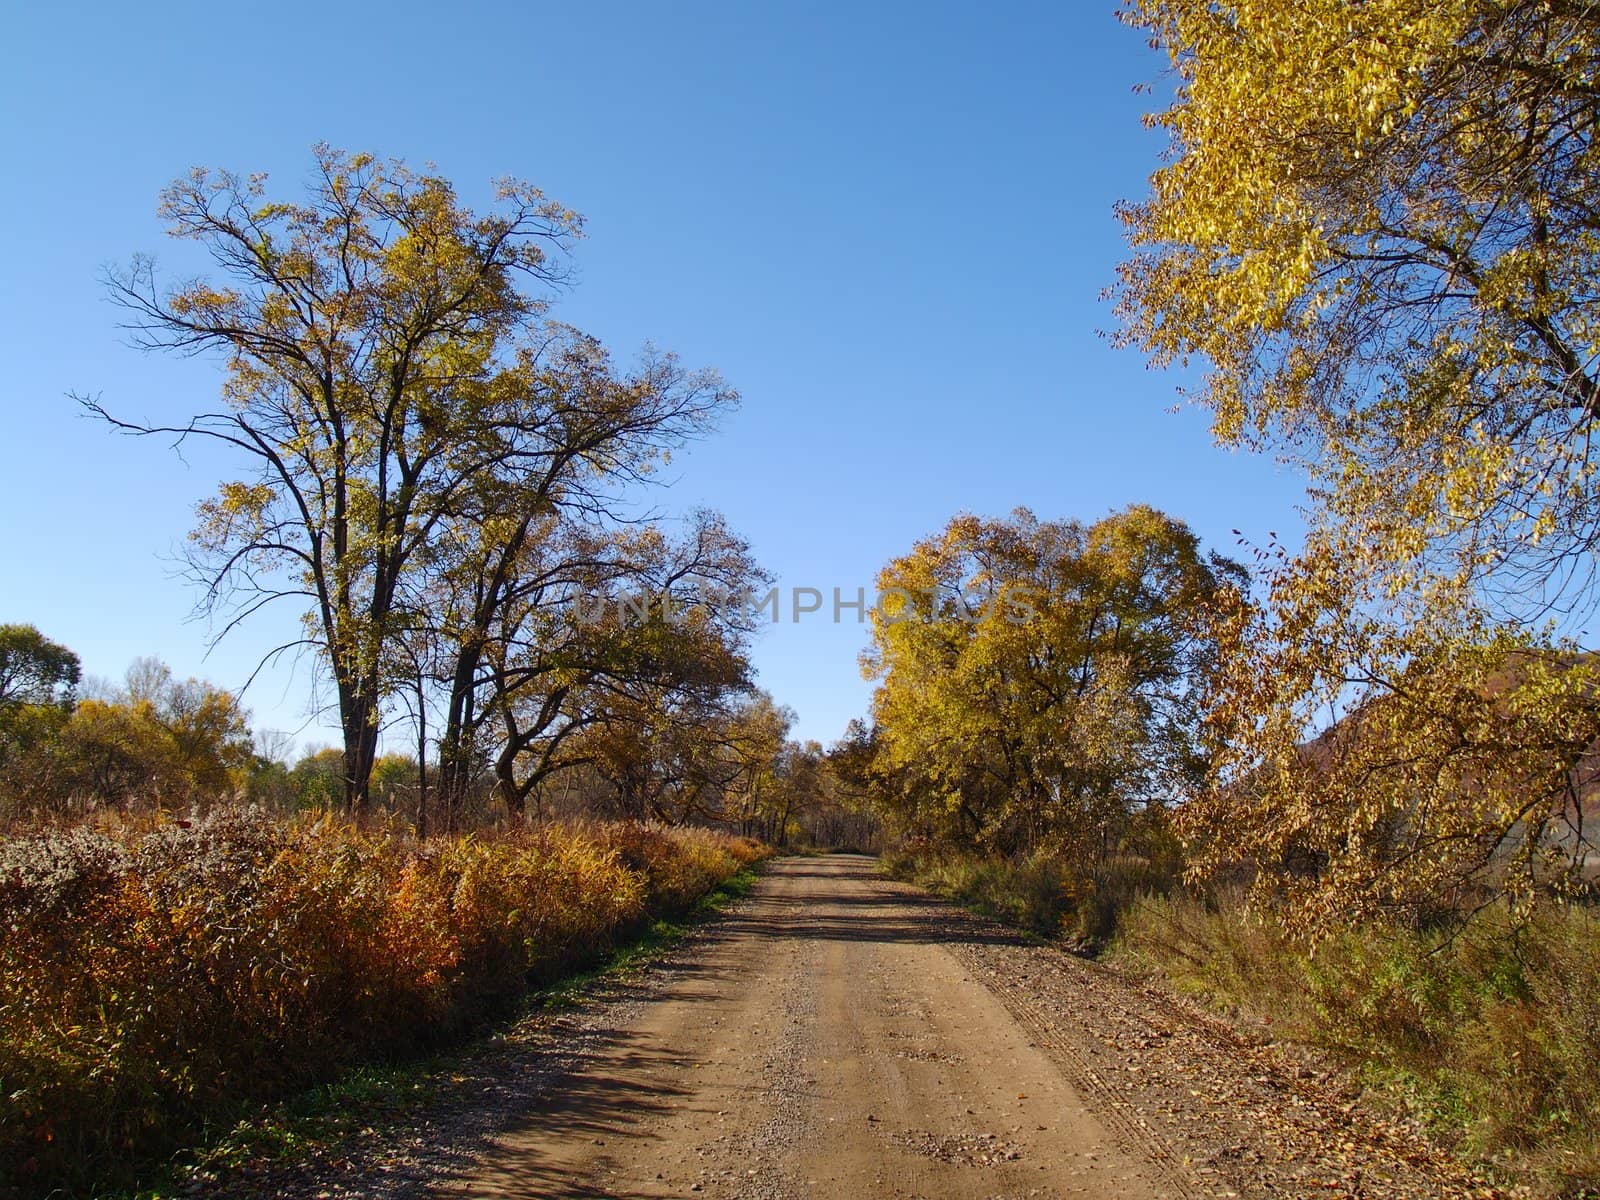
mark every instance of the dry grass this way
{"type": "Point", "coordinates": [159, 974]}
{"type": "Point", "coordinates": [1057, 896]}
{"type": "Point", "coordinates": [1492, 1036]}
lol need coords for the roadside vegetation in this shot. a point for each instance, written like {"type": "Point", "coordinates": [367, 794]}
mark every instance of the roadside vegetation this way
{"type": "Point", "coordinates": [1488, 1036]}
{"type": "Point", "coordinates": [321, 1120]}
{"type": "Point", "coordinates": [1347, 788]}
{"type": "Point", "coordinates": [162, 974]}
{"type": "Point", "coordinates": [549, 737]}
{"type": "Point", "coordinates": [1483, 1029]}
{"type": "Point", "coordinates": [193, 926]}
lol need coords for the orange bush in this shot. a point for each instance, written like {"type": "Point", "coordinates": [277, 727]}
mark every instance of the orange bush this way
{"type": "Point", "coordinates": [152, 978]}
{"type": "Point", "coordinates": [679, 865]}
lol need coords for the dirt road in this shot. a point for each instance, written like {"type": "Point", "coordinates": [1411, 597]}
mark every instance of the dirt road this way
{"type": "Point", "coordinates": [839, 1036]}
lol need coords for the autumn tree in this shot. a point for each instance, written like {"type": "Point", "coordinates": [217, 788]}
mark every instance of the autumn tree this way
{"type": "Point", "coordinates": [34, 669]}
{"type": "Point", "coordinates": [684, 749]}
{"type": "Point", "coordinates": [317, 779]}
{"type": "Point", "coordinates": [555, 625]}
{"type": "Point", "coordinates": [1038, 679]}
{"type": "Point", "coordinates": [1376, 233]}
{"type": "Point", "coordinates": [205, 731]}
{"type": "Point", "coordinates": [391, 368]}
{"type": "Point", "coordinates": [815, 804]}
{"type": "Point", "coordinates": [154, 739]}
{"type": "Point", "coordinates": [843, 813]}
{"type": "Point", "coordinates": [751, 763]}
{"type": "Point", "coordinates": [38, 689]}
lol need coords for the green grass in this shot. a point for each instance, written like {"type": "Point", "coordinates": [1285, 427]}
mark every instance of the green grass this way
{"type": "Point", "coordinates": [375, 1097]}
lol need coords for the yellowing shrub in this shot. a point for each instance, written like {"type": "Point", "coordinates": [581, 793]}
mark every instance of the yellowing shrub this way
{"type": "Point", "coordinates": [153, 978]}
{"type": "Point", "coordinates": [678, 865]}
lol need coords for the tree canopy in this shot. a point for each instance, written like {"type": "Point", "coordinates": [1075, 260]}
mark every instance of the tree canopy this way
{"type": "Point", "coordinates": [394, 385]}
{"type": "Point", "coordinates": [1376, 231]}
{"type": "Point", "coordinates": [1037, 679]}
{"type": "Point", "coordinates": [35, 670]}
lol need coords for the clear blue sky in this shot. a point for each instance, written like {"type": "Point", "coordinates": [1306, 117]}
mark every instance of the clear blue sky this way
{"type": "Point", "coordinates": [888, 225]}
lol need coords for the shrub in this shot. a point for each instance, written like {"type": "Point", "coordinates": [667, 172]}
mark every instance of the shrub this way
{"type": "Point", "coordinates": [154, 976]}
{"type": "Point", "coordinates": [679, 865]}
{"type": "Point", "coordinates": [1076, 896]}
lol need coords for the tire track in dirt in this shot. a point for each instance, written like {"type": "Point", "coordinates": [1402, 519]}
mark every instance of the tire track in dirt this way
{"type": "Point", "coordinates": [826, 1044]}
{"type": "Point", "coordinates": [1220, 1106]}
{"type": "Point", "coordinates": [838, 1035]}
{"type": "Point", "coordinates": [1116, 1113]}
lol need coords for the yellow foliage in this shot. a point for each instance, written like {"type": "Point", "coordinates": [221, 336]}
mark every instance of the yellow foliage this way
{"type": "Point", "coordinates": [1036, 676]}
{"type": "Point", "coordinates": [1376, 231]}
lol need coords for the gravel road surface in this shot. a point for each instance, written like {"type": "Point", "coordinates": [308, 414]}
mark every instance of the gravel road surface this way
{"type": "Point", "coordinates": [842, 1036]}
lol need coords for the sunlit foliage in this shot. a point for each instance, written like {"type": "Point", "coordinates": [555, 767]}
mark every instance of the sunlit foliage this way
{"type": "Point", "coordinates": [395, 389]}
{"type": "Point", "coordinates": [154, 976]}
{"type": "Point", "coordinates": [1376, 234]}
{"type": "Point", "coordinates": [155, 740]}
{"type": "Point", "coordinates": [1039, 679]}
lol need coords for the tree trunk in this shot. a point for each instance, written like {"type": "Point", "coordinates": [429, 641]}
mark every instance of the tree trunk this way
{"type": "Point", "coordinates": [505, 775]}
{"type": "Point", "coordinates": [360, 753]}
{"type": "Point", "coordinates": [457, 770]}
{"type": "Point", "coordinates": [422, 761]}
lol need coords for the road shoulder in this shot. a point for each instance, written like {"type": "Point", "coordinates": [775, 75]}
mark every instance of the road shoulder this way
{"type": "Point", "coordinates": [1229, 1111]}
